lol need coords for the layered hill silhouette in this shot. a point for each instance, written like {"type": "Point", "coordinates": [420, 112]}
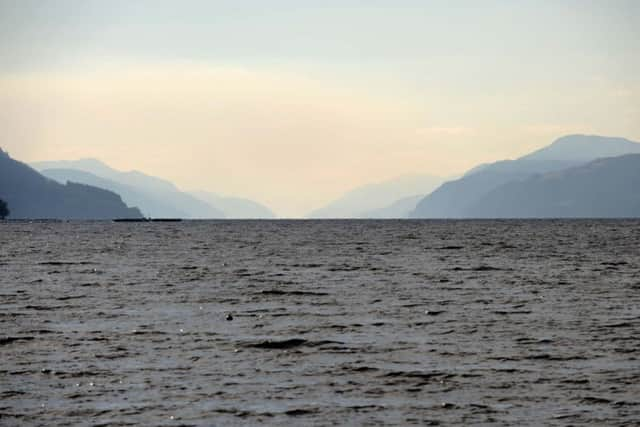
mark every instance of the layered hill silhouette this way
{"type": "Point", "coordinates": [151, 206]}
{"type": "Point", "coordinates": [236, 207]}
{"type": "Point", "coordinates": [575, 176]}
{"type": "Point", "coordinates": [584, 148]}
{"type": "Point", "coordinates": [398, 209]}
{"type": "Point", "coordinates": [603, 188]}
{"type": "Point", "coordinates": [156, 197]}
{"type": "Point", "coordinates": [459, 198]}
{"type": "Point", "coordinates": [372, 201]}
{"type": "Point", "coordinates": [30, 195]}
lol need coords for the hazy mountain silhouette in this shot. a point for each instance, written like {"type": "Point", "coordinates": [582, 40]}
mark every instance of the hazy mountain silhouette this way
{"type": "Point", "coordinates": [149, 205]}
{"type": "Point", "coordinates": [96, 167]}
{"type": "Point", "coordinates": [236, 207]}
{"type": "Point", "coordinates": [608, 187]}
{"type": "Point", "coordinates": [584, 148]}
{"type": "Point", "coordinates": [33, 196]}
{"type": "Point", "coordinates": [575, 149]}
{"type": "Point", "coordinates": [359, 202]}
{"type": "Point", "coordinates": [155, 196]}
{"type": "Point", "coordinates": [398, 209]}
{"type": "Point", "coordinates": [454, 199]}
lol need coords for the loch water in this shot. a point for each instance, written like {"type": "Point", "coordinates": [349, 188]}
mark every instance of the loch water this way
{"type": "Point", "coordinates": [223, 323]}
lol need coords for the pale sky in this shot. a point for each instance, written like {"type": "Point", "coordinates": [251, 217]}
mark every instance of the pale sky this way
{"type": "Point", "coordinates": [293, 103]}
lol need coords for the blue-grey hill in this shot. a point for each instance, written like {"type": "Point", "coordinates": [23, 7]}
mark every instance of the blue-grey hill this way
{"type": "Point", "coordinates": [603, 188]}
{"type": "Point", "coordinates": [456, 199]}
{"type": "Point", "coordinates": [30, 195]}
{"type": "Point", "coordinates": [156, 197]}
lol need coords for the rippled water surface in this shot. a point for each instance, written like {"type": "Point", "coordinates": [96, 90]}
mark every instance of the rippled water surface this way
{"type": "Point", "coordinates": [330, 323]}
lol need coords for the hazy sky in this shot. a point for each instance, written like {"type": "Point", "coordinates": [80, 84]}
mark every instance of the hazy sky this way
{"type": "Point", "coordinates": [294, 102]}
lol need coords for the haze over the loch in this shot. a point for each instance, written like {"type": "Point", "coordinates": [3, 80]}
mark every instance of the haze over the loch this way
{"type": "Point", "coordinates": [294, 105]}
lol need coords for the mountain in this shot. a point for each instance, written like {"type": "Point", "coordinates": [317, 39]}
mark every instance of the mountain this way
{"type": "Point", "coordinates": [33, 196]}
{"type": "Point", "coordinates": [155, 196]}
{"type": "Point", "coordinates": [398, 209]}
{"type": "Point", "coordinates": [584, 148]}
{"type": "Point", "coordinates": [149, 205]}
{"type": "Point", "coordinates": [453, 199]}
{"type": "Point", "coordinates": [603, 188]}
{"type": "Point", "coordinates": [577, 149]}
{"type": "Point", "coordinates": [235, 207]}
{"type": "Point", "coordinates": [358, 202]}
{"type": "Point", "coordinates": [101, 169]}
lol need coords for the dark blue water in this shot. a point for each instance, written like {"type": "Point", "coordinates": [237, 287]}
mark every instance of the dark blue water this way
{"type": "Point", "coordinates": [332, 323]}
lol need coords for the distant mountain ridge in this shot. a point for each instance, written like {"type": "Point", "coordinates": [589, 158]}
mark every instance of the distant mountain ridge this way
{"type": "Point", "coordinates": [454, 199]}
{"type": "Point", "coordinates": [151, 206]}
{"type": "Point", "coordinates": [365, 201]}
{"type": "Point", "coordinates": [155, 196]}
{"type": "Point", "coordinates": [584, 148]}
{"type": "Point", "coordinates": [396, 210]}
{"type": "Point", "coordinates": [30, 195]}
{"type": "Point", "coordinates": [604, 188]}
{"type": "Point", "coordinates": [571, 150]}
{"type": "Point", "coordinates": [236, 207]}
{"type": "Point", "coordinates": [98, 168]}
{"type": "Point", "coordinates": [484, 191]}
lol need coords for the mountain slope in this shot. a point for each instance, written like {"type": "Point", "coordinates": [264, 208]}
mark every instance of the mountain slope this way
{"type": "Point", "coordinates": [453, 199]}
{"type": "Point", "coordinates": [398, 209]}
{"type": "Point", "coordinates": [33, 196]}
{"type": "Point", "coordinates": [608, 187]}
{"type": "Point", "coordinates": [98, 168]}
{"type": "Point", "coordinates": [584, 148]}
{"type": "Point", "coordinates": [356, 203]}
{"type": "Point", "coordinates": [149, 205]}
{"type": "Point", "coordinates": [236, 207]}
{"type": "Point", "coordinates": [161, 198]}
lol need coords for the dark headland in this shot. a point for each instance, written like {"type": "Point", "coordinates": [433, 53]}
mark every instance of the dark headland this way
{"type": "Point", "coordinates": [30, 195]}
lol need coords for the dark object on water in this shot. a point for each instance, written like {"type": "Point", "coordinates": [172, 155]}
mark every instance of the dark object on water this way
{"type": "Point", "coordinates": [300, 412]}
{"type": "Point", "coordinates": [229, 317]}
{"type": "Point", "coordinates": [166, 219]}
{"type": "Point", "coordinates": [280, 345]}
{"type": "Point", "coordinates": [433, 312]}
{"type": "Point", "coordinates": [4, 210]}
{"type": "Point", "coordinates": [9, 340]}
